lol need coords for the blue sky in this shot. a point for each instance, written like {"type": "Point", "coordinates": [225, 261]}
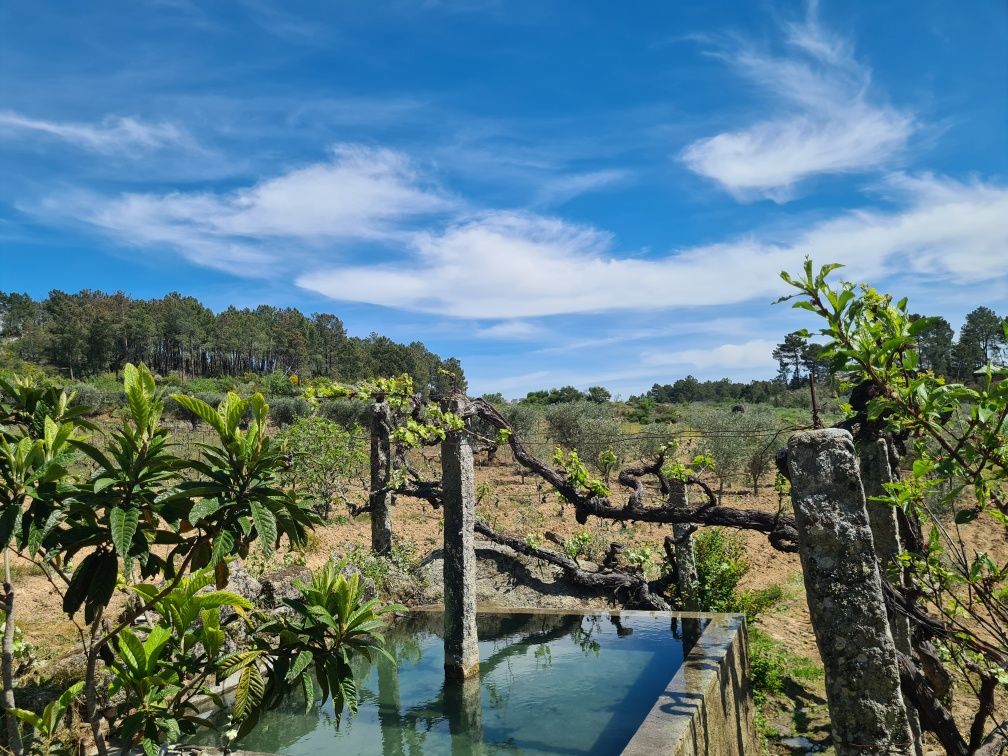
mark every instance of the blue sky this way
{"type": "Point", "coordinates": [555, 192]}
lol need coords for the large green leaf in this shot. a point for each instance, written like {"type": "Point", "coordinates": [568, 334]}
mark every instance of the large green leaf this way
{"type": "Point", "coordinates": [8, 522]}
{"type": "Point", "coordinates": [202, 410]}
{"type": "Point", "coordinates": [132, 651]}
{"type": "Point", "coordinates": [223, 545]}
{"type": "Point", "coordinates": [201, 509]}
{"type": "Point", "coordinates": [123, 524]}
{"type": "Point", "coordinates": [300, 665]}
{"type": "Point", "coordinates": [80, 583]}
{"type": "Point", "coordinates": [102, 586]}
{"type": "Point", "coordinates": [265, 525]}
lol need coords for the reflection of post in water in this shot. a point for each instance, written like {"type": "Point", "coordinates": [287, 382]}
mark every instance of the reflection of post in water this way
{"type": "Point", "coordinates": [688, 631]}
{"type": "Point", "coordinates": [463, 709]}
{"type": "Point", "coordinates": [388, 707]}
{"type": "Point", "coordinates": [621, 630]}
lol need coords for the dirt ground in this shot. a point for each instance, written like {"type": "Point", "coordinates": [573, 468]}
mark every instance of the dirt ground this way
{"type": "Point", "coordinates": [518, 505]}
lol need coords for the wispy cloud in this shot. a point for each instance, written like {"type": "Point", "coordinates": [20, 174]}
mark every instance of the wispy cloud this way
{"type": "Point", "coordinates": [512, 265]}
{"type": "Point", "coordinates": [510, 330]}
{"type": "Point", "coordinates": [750, 355]}
{"type": "Point", "coordinates": [362, 193]}
{"type": "Point", "coordinates": [431, 253]}
{"type": "Point", "coordinates": [825, 119]}
{"type": "Point", "coordinates": [112, 135]}
{"type": "Point", "coordinates": [561, 188]}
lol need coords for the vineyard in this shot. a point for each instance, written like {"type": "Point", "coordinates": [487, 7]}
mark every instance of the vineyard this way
{"type": "Point", "coordinates": [122, 521]}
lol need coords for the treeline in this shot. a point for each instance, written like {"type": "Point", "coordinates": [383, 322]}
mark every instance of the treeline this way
{"type": "Point", "coordinates": [690, 389]}
{"type": "Point", "coordinates": [565, 394]}
{"type": "Point", "coordinates": [93, 332]}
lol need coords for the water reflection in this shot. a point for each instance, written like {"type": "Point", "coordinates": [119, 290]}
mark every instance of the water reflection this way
{"type": "Point", "coordinates": [548, 684]}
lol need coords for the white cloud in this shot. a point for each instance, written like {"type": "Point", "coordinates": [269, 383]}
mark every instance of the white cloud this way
{"type": "Point", "coordinates": [752, 355]}
{"type": "Point", "coordinates": [362, 193]}
{"type": "Point", "coordinates": [826, 122]}
{"type": "Point", "coordinates": [562, 188]}
{"type": "Point", "coordinates": [122, 135]}
{"type": "Point", "coordinates": [513, 265]}
{"type": "Point", "coordinates": [513, 330]}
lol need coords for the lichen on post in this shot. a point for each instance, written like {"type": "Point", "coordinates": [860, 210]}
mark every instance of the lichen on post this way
{"type": "Point", "coordinates": [381, 496]}
{"type": "Point", "coordinates": [458, 478]}
{"type": "Point", "coordinates": [875, 473]}
{"type": "Point", "coordinates": [844, 592]}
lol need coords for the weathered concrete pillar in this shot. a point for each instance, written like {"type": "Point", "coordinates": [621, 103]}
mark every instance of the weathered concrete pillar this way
{"type": "Point", "coordinates": [458, 480]}
{"type": "Point", "coordinates": [685, 557]}
{"type": "Point", "coordinates": [380, 498]}
{"type": "Point", "coordinates": [875, 472]}
{"type": "Point", "coordinates": [844, 593]}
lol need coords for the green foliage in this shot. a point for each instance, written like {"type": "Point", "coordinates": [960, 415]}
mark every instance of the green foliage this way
{"type": "Point", "coordinates": [961, 437]}
{"type": "Point", "coordinates": [607, 462]}
{"type": "Point", "coordinates": [640, 557]}
{"type": "Point", "coordinates": [326, 461]}
{"type": "Point", "coordinates": [737, 442]}
{"type": "Point", "coordinates": [770, 665]}
{"type": "Point", "coordinates": [578, 544]}
{"type": "Point", "coordinates": [284, 410]}
{"type": "Point", "coordinates": [415, 422]}
{"type": "Point", "coordinates": [721, 565]}
{"type": "Point", "coordinates": [46, 737]}
{"type": "Point", "coordinates": [140, 507]}
{"type": "Point", "coordinates": [577, 473]}
{"type": "Point", "coordinates": [347, 413]}
{"type": "Point", "coordinates": [559, 396]}
{"type": "Point", "coordinates": [151, 668]}
{"type": "Point", "coordinates": [387, 571]}
{"type": "Point", "coordinates": [589, 429]}
{"type": "Point", "coordinates": [240, 493]}
{"type": "Point", "coordinates": [328, 625]}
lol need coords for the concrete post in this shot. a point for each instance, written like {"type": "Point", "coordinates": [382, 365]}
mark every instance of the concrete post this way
{"type": "Point", "coordinates": [685, 557]}
{"type": "Point", "coordinates": [875, 471]}
{"type": "Point", "coordinates": [844, 592]}
{"type": "Point", "coordinates": [458, 480]}
{"type": "Point", "coordinates": [381, 498]}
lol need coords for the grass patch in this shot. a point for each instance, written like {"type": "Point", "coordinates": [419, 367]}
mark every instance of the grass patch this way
{"type": "Point", "coordinates": [771, 665]}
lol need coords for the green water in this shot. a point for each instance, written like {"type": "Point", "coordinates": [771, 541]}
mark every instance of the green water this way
{"type": "Point", "coordinates": [549, 684]}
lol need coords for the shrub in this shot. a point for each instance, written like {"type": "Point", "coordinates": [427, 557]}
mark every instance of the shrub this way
{"type": "Point", "coordinates": [767, 666]}
{"type": "Point", "coordinates": [284, 410]}
{"type": "Point", "coordinates": [95, 398]}
{"type": "Point", "coordinates": [721, 565]}
{"type": "Point", "coordinates": [652, 438]}
{"type": "Point", "coordinates": [106, 382]}
{"type": "Point", "coordinates": [279, 384]}
{"type": "Point", "coordinates": [326, 460]}
{"type": "Point", "coordinates": [346, 413]}
{"type": "Point", "coordinates": [196, 386]}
